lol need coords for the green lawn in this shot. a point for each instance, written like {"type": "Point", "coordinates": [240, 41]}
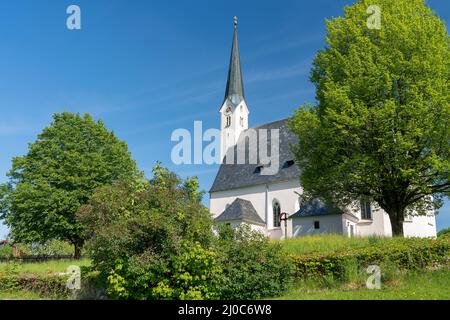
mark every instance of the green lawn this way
{"type": "Point", "coordinates": [20, 295]}
{"type": "Point", "coordinates": [330, 243]}
{"type": "Point", "coordinates": [45, 267]}
{"type": "Point", "coordinates": [433, 285]}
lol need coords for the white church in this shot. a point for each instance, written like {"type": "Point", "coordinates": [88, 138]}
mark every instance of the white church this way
{"type": "Point", "coordinates": [242, 194]}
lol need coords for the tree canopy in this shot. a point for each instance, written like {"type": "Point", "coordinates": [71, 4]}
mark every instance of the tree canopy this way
{"type": "Point", "coordinates": [381, 128]}
{"type": "Point", "coordinates": [68, 161]}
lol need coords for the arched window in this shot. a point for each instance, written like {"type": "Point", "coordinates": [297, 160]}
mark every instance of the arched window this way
{"type": "Point", "coordinates": [228, 121]}
{"type": "Point", "coordinates": [276, 214]}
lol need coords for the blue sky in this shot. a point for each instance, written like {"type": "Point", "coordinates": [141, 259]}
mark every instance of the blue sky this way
{"type": "Point", "coordinates": [148, 67]}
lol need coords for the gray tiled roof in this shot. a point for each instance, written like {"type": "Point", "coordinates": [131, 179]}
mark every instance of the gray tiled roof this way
{"type": "Point", "coordinates": [231, 176]}
{"type": "Point", "coordinates": [315, 208]}
{"type": "Point", "coordinates": [240, 210]}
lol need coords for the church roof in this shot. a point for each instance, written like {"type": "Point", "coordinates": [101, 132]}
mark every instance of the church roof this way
{"type": "Point", "coordinates": [232, 176]}
{"type": "Point", "coordinates": [313, 208]}
{"type": "Point", "coordinates": [240, 210]}
{"type": "Point", "coordinates": [235, 86]}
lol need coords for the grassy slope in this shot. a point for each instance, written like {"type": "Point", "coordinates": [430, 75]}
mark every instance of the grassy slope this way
{"type": "Point", "coordinates": [46, 267]}
{"type": "Point", "coordinates": [19, 295]}
{"type": "Point", "coordinates": [330, 243]}
{"type": "Point", "coordinates": [409, 286]}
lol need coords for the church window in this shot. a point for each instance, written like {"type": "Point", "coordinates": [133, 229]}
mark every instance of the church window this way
{"type": "Point", "coordinates": [228, 121]}
{"type": "Point", "coordinates": [242, 122]}
{"type": "Point", "coordinates": [276, 214]}
{"type": "Point", "coordinates": [366, 210]}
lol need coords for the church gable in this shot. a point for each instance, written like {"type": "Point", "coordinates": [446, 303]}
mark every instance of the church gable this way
{"type": "Point", "coordinates": [241, 211]}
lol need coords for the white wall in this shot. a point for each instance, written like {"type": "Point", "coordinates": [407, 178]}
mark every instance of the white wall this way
{"type": "Point", "coordinates": [283, 192]}
{"type": "Point", "coordinates": [256, 194]}
{"type": "Point", "coordinates": [235, 224]}
{"type": "Point", "coordinates": [420, 226]}
{"type": "Point", "coordinates": [416, 226]}
{"type": "Point", "coordinates": [328, 224]}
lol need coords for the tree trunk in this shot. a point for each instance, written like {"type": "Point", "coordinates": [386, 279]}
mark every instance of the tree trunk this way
{"type": "Point", "coordinates": [397, 218]}
{"type": "Point", "coordinates": [77, 249]}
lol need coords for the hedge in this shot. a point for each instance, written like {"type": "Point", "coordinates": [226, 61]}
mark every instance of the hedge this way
{"type": "Point", "coordinates": [405, 254]}
{"type": "Point", "coordinates": [50, 286]}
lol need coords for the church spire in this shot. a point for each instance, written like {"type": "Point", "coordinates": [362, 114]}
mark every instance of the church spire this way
{"type": "Point", "coordinates": [235, 86]}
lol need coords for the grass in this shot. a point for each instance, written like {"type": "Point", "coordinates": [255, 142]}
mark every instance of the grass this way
{"type": "Point", "coordinates": [326, 244]}
{"type": "Point", "coordinates": [430, 285]}
{"type": "Point", "coordinates": [55, 266]}
{"type": "Point", "coordinates": [20, 295]}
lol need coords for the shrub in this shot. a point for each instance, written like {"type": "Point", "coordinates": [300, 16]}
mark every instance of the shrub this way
{"type": "Point", "coordinates": [52, 248]}
{"type": "Point", "coordinates": [404, 254]}
{"type": "Point", "coordinates": [6, 251]}
{"type": "Point", "coordinates": [253, 266]}
{"type": "Point", "coordinates": [444, 233]}
{"type": "Point", "coordinates": [151, 239]}
{"type": "Point", "coordinates": [48, 285]}
{"type": "Point", "coordinates": [196, 275]}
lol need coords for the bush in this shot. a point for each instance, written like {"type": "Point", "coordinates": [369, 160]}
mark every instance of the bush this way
{"type": "Point", "coordinates": [154, 240]}
{"type": "Point", "coordinates": [253, 267]}
{"type": "Point", "coordinates": [51, 248]}
{"type": "Point", "coordinates": [444, 233]}
{"type": "Point", "coordinates": [48, 285]}
{"type": "Point", "coordinates": [404, 254]}
{"type": "Point", "coordinates": [151, 239]}
{"type": "Point", "coordinates": [6, 251]}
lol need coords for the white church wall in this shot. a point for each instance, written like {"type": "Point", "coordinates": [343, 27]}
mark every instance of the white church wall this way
{"type": "Point", "coordinates": [285, 193]}
{"type": "Point", "coordinates": [255, 194]}
{"type": "Point", "coordinates": [420, 226]}
{"type": "Point", "coordinates": [328, 224]}
{"type": "Point", "coordinates": [417, 226]}
{"type": "Point", "coordinates": [373, 227]}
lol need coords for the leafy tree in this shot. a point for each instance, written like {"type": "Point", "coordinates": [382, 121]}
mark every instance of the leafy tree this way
{"type": "Point", "coordinates": [68, 161]}
{"type": "Point", "coordinates": [381, 128]}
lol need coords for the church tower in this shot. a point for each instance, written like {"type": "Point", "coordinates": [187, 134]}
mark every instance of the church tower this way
{"type": "Point", "coordinates": [234, 111]}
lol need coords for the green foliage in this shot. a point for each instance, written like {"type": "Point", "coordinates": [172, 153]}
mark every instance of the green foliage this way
{"type": "Point", "coordinates": [51, 248]}
{"type": "Point", "coordinates": [143, 236]}
{"type": "Point", "coordinates": [403, 254]}
{"type": "Point", "coordinates": [68, 161]}
{"type": "Point", "coordinates": [154, 240]}
{"type": "Point", "coordinates": [253, 266]}
{"type": "Point", "coordinates": [6, 251]}
{"type": "Point", "coordinates": [381, 129]}
{"type": "Point", "coordinates": [196, 275]}
{"type": "Point", "coordinates": [411, 285]}
{"type": "Point", "coordinates": [444, 233]}
{"type": "Point", "coordinates": [50, 285]}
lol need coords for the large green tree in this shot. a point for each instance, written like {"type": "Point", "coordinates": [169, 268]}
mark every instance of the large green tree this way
{"type": "Point", "coordinates": [381, 128]}
{"type": "Point", "coordinates": [68, 161]}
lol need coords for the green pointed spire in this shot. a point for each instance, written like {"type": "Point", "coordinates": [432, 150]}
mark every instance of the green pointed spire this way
{"type": "Point", "coordinates": [235, 86]}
